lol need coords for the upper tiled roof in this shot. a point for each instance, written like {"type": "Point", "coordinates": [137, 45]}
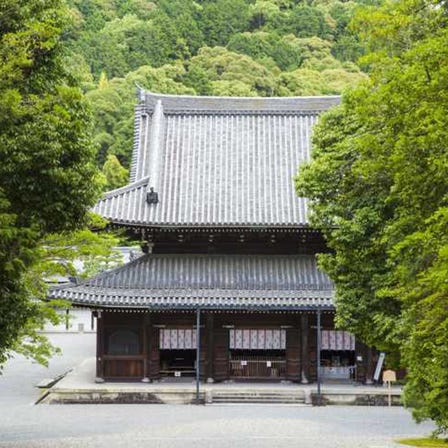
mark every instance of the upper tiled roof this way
{"type": "Point", "coordinates": [231, 104]}
{"type": "Point", "coordinates": [217, 161]}
{"type": "Point", "coordinates": [269, 282]}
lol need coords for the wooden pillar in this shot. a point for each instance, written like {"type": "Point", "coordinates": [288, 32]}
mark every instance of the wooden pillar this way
{"type": "Point", "coordinates": [221, 353]}
{"type": "Point", "coordinates": [145, 335]}
{"type": "Point", "coordinates": [198, 352]}
{"type": "Point", "coordinates": [305, 353]}
{"type": "Point", "coordinates": [312, 347]}
{"type": "Point", "coordinates": [153, 350]}
{"type": "Point", "coordinates": [293, 354]}
{"type": "Point", "coordinates": [203, 347]}
{"type": "Point", "coordinates": [100, 347]}
{"type": "Point", "coordinates": [370, 365]}
{"type": "Point", "coordinates": [209, 324]}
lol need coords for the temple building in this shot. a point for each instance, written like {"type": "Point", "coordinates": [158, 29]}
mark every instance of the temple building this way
{"type": "Point", "coordinates": [229, 273]}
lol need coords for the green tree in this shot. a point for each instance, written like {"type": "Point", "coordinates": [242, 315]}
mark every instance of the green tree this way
{"type": "Point", "coordinates": [285, 51]}
{"type": "Point", "coordinates": [263, 12]}
{"type": "Point", "coordinates": [301, 82]}
{"type": "Point", "coordinates": [220, 20]}
{"type": "Point", "coordinates": [47, 174]}
{"type": "Point", "coordinates": [126, 43]}
{"type": "Point", "coordinates": [185, 18]}
{"type": "Point", "coordinates": [224, 67]}
{"type": "Point", "coordinates": [116, 175]}
{"type": "Point", "coordinates": [302, 21]}
{"type": "Point", "coordinates": [378, 184]}
{"type": "Point", "coordinates": [54, 257]}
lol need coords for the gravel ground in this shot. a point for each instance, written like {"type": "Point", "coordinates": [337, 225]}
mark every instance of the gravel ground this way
{"type": "Point", "coordinates": [23, 424]}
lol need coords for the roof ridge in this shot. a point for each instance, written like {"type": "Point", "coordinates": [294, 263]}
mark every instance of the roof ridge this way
{"type": "Point", "coordinates": [110, 193]}
{"type": "Point", "coordinates": [239, 256]}
{"type": "Point", "coordinates": [250, 98]}
{"type": "Point", "coordinates": [216, 104]}
{"type": "Point", "coordinates": [113, 271]}
{"type": "Point", "coordinates": [100, 275]}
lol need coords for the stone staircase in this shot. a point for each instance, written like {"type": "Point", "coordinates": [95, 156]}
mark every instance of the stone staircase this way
{"type": "Point", "coordinates": [258, 396]}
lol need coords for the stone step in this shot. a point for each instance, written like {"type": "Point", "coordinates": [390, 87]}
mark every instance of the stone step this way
{"type": "Point", "coordinates": [258, 394]}
{"type": "Point", "coordinates": [257, 397]}
{"type": "Point", "coordinates": [253, 400]}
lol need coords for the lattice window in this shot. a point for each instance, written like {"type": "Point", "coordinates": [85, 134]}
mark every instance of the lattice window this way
{"type": "Point", "coordinates": [338, 340]}
{"type": "Point", "coordinates": [257, 339]}
{"type": "Point", "coordinates": [177, 339]}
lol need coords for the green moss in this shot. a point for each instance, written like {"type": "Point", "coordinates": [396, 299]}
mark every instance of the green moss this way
{"type": "Point", "coordinates": [425, 442]}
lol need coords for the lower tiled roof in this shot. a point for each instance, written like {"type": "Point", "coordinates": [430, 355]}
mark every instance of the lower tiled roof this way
{"type": "Point", "coordinates": [239, 282]}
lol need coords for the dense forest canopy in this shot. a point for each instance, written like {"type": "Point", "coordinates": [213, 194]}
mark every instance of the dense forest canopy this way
{"type": "Point", "coordinates": [208, 47]}
{"type": "Point", "coordinates": [378, 184]}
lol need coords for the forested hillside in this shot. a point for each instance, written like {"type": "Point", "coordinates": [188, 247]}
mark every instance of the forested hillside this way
{"type": "Point", "coordinates": [203, 47]}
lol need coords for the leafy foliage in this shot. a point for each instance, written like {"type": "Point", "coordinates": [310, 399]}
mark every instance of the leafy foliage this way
{"type": "Point", "coordinates": [115, 174]}
{"type": "Point", "coordinates": [378, 183]}
{"type": "Point", "coordinates": [48, 178]}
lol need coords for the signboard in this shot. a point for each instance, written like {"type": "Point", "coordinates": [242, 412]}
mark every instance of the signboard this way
{"type": "Point", "coordinates": [379, 366]}
{"type": "Point", "coordinates": [389, 376]}
{"type": "Point", "coordinates": [177, 373]}
{"type": "Point", "coordinates": [268, 364]}
{"type": "Point", "coordinates": [244, 363]}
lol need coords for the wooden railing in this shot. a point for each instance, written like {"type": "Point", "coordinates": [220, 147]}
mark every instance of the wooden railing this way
{"type": "Point", "coordinates": [257, 367]}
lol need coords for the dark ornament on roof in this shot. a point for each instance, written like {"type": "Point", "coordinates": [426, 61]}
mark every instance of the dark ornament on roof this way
{"type": "Point", "coordinates": [152, 197]}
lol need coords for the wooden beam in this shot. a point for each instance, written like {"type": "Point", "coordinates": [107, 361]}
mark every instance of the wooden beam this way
{"type": "Point", "coordinates": [100, 347]}
{"type": "Point", "coordinates": [209, 324]}
{"type": "Point", "coordinates": [145, 325]}
{"type": "Point", "coordinates": [305, 358]}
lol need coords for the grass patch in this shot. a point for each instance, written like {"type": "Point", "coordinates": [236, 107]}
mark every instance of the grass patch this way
{"type": "Point", "coordinates": [425, 442]}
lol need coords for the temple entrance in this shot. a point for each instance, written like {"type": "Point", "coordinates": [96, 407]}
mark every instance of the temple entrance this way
{"type": "Point", "coordinates": [177, 363]}
{"type": "Point", "coordinates": [338, 358]}
{"type": "Point", "coordinates": [177, 352]}
{"type": "Point", "coordinates": [257, 353]}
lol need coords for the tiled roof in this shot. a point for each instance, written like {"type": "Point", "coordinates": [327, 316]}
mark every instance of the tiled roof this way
{"type": "Point", "coordinates": [270, 282]}
{"type": "Point", "coordinates": [217, 161]}
{"type": "Point", "coordinates": [230, 105]}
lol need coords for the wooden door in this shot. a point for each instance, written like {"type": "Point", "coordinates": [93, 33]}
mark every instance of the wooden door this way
{"type": "Point", "coordinates": [293, 354]}
{"type": "Point", "coordinates": [221, 354]}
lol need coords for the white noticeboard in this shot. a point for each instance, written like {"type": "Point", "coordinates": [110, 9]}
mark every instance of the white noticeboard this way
{"type": "Point", "coordinates": [379, 366]}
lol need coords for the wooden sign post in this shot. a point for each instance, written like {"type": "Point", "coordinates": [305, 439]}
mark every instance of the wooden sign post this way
{"type": "Point", "coordinates": [389, 377]}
